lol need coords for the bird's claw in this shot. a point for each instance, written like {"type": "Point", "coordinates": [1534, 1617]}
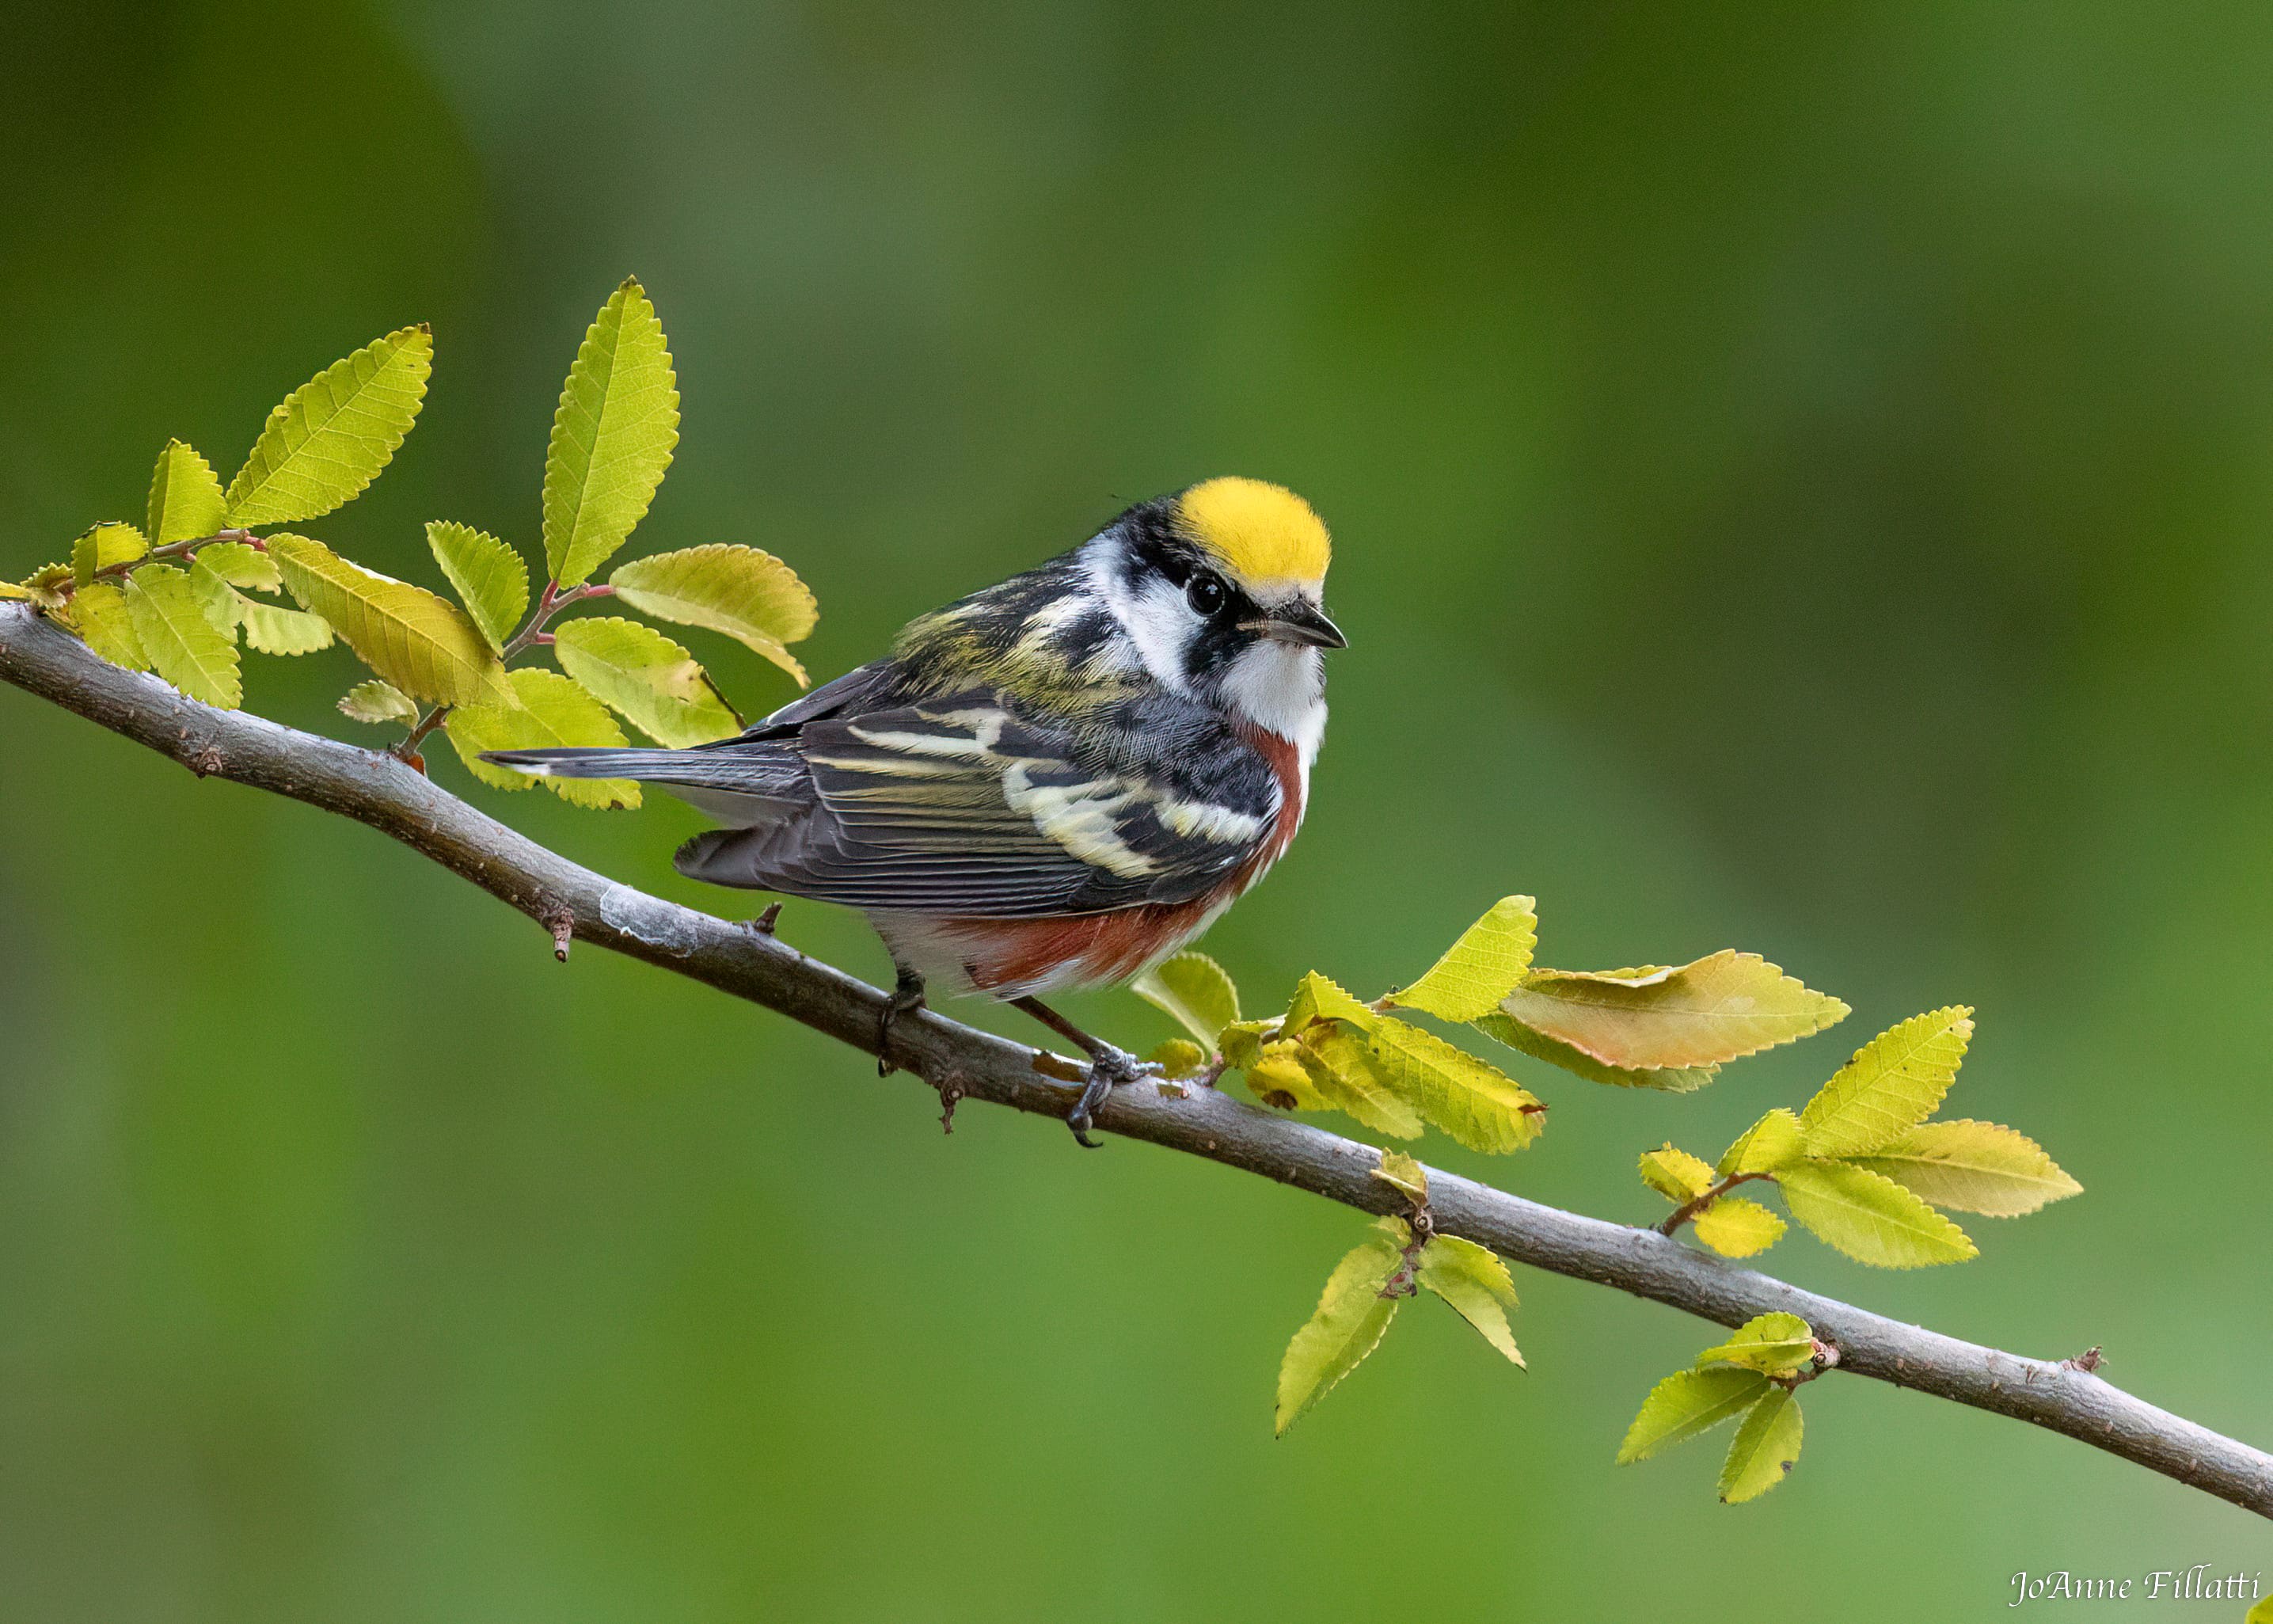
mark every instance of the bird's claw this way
{"type": "Point", "coordinates": [1107, 1067]}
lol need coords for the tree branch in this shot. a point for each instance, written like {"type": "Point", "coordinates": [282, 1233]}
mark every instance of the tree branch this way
{"type": "Point", "coordinates": [376, 789]}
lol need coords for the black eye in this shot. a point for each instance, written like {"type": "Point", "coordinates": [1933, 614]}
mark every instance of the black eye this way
{"type": "Point", "coordinates": [1205, 593]}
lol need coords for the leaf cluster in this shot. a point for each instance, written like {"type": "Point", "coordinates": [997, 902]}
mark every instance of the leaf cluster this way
{"type": "Point", "coordinates": [1751, 1379]}
{"type": "Point", "coordinates": [1861, 1166]}
{"type": "Point", "coordinates": [1668, 1028]}
{"type": "Point", "coordinates": [1403, 1257]}
{"type": "Point", "coordinates": [182, 593]}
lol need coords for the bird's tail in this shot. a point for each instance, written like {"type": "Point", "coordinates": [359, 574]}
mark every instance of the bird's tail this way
{"type": "Point", "coordinates": [740, 771]}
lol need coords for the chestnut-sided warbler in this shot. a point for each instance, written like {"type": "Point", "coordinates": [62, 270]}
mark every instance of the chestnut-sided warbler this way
{"type": "Point", "coordinates": [1054, 783]}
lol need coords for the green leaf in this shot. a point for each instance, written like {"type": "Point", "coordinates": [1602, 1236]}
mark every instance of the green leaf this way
{"type": "Point", "coordinates": [1280, 1077]}
{"type": "Point", "coordinates": [612, 437]}
{"type": "Point", "coordinates": [1480, 968]}
{"type": "Point", "coordinates": [1773, 1344]}
{"type": "Point", "coordinates": [1475, 1102]}
{"type": "Point", "coordinates": [1344, 1075]}
{"type": "Point", "coordinates": [1473, 1281]}
{"type": "Point", "coordinates": [1350, 1317]}
{"type": "Point", "coordinates": [377, 702]}
{"type": "Point", "coordinates": [652, 682]}
{"type": "Point", "coordinates": [1179, 1058]}
{"type": "Point", "coordinates": [1401, 1172]}
{"type": "Point", "coordinates": [185, 497]}
{"type": "Point", "coordinates": [552, 710]}
{"type": "Point", "coordinates": [181, 643]}
{"type": "Point", "coordinates": [241, 566]}
{"type": "Point", "coordinates": [101, 615]}
{"type": "Point", "coordinates": [216, 597]}
{"type": "Point", "coordinates": [419, 643]}
{"type": "Point", "coordinates": [1316, 998]}
{"type": "Point", "coordinates": [1972, 1167]}
{"type": "Point", "coordinates": [488, 577]}
{"type": "Point", "coordinates": [1764, 1146]}
{"type": "Point", "coordinates": [1765, 1449]}
{"type": "Point", "coordinates": [1736, 1227]}
{"type": "Point", "coordinates": [102, 546]}
{"type": "Point", "coordinates": [1720, 1008]}
{"type": "Point", "coordinates": [273, 629]}
{"type": "Point", "coordinates": [751, 596]}
{"type": "Point", "coordinates": [1894, 1081]}
{"type": "Point", "coordinates": [2262, 1613]}
{"type": "Point", "coordinates": [334, 433]}
{"type": "Point", "coordinates": [1675, 1173]}
{"type": "Point", "coordinates": [1194, 990]}
{"type": "Point", "coordinates": [1869, 1217]}
{"type": "Point", "coordinates": [10, 590]}
{"type": "Point", "coordinates": [1241, 1042]}
{"type": "Point", "coordinates": [1688, 1402]}
{"type": "Point", "coordinates": [1539, 1045]}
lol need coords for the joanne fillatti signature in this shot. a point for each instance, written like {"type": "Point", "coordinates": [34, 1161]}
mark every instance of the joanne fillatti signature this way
{"type": "Point", "coordinates": [2195, 1583]}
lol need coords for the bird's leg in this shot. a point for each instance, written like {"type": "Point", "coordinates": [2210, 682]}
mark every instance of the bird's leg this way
{"type": "Point", "coordinates": [907, 997]}
{"type": "Point", "coordinates": [1108, 1065]}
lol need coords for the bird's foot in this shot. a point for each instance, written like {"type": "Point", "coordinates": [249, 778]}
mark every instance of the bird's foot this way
{"type": "Point", "coordinates": [907, 997]}
{"type": "Point", "coordinates": [1108, 1066]}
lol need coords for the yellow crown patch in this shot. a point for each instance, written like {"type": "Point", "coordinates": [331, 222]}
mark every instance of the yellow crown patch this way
{"type": "Point", "coordinates": [1262, 532]}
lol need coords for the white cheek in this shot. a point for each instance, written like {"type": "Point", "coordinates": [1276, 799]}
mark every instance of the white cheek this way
{"type": "Point", "coordinates": [1282, 688]}
{"type": "Point", "coordinates": [1159, 623]}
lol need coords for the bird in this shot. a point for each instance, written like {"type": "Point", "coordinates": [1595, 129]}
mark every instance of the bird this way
{"type": "Point", "coordinates": [1054, 783]}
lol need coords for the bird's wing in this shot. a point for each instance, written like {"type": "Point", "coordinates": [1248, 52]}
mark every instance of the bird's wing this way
{"type": "Point", "coordinates": [965, 807]}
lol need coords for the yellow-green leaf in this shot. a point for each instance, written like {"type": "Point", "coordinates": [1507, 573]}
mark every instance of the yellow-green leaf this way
{"type": "Point", "coordinates": [552, 711]}
{"type": "Point", "coordinates": [1719, 1008]}
{"type": "Point", "coordinates": [100, 612]}
{"type": "Point", "coordinates": [1316, 998]}
{"type": "Point", "coordinates": [1894, 1081]}
{"type": "Point", "coordinates": [216, 597]}
{"type": "Point", "coordinates": [1475, 1102]}
{"type": "Point", "coordinates": [1480, 968]}
{"type": "Point", "coordinates": [1764, 1146]}
{"type": "Point", "coordinates": [611, 436]}
{"type": "Point", "coordinates": [377, 703]}
{"type": "Point", "coordinates": [1736, 1227]}
{"type": "Point", "coordinates": [488, 575]}
{"type": "Point", "coordinates": [241, 566]}
{"type": "Point", "coordinates": [1194, 990]}
{"type": "Point", "coordinates": [180, 643]}
{"type": "Point", "coordinates": [2262, 1613]}
{"type": "Point", "coordinates": [1765, 1449]}
{"type": "Point", "coordinates": [10, 590]}
{"type": "Point", "coordinates": [1350, 1317]}
{"type": "Point", "coordinates": [1688, 1402]}
{"type": "Point", "coordinates": [751, 596]}
{"type": "Point", "coordinates": [419, 643]}
{"type": "Point", "coordinates": [273, 629]}
{"type": "Point", "coordinates": [656, 685]}
{"type": "Point", "coordinates": [1344, 1073]}
{"type": "Point", "coordinates": [1775, 1344]}
{"type": "Point", "coordinates": [332, 435]}
{"type": "Point", "coordinates": [1473, 1281]}
{"type": "Point", "coordinates": [1675, 1173]}
{"type": "Point", "coordinates": [1667, 1079]}
{"type": "Point", "coordinates": [1279, 1078]}
{"type": "Point", "coordinates": [1401, 1172]}
{"type": "Point", "coordinates": [1869, 1217]}
{"type": "Point", "coordinates": [1972, 1167]}
{"type": "Point", "coordinates": [1241, 1042]}
{"type": "Point", "coordinates": [1179, 1058]}
{"type": "Point", "coordinates": [44, 586]}
{"type": "Point", "coordinates": [185, 497]}
{"type": "Point", "coordinates": [103, 546]}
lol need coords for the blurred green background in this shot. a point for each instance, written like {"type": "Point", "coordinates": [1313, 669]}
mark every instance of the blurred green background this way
{"type": "Point", "coordinates": [1803, 481]}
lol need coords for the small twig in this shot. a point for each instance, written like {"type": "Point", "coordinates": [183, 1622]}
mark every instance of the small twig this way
{"type": "Point", "coordinates": [563, 925]}
{"type": "Point", "coordinates": [2089, 1360]}
{"type": "Point", "coordinates": [1689, 1209]}
{"type": "Point", "coordinates": [763, 925]}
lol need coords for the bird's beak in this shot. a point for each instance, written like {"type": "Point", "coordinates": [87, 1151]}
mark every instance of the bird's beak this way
{"type": "Point", "coordinates": [1299, 623]}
